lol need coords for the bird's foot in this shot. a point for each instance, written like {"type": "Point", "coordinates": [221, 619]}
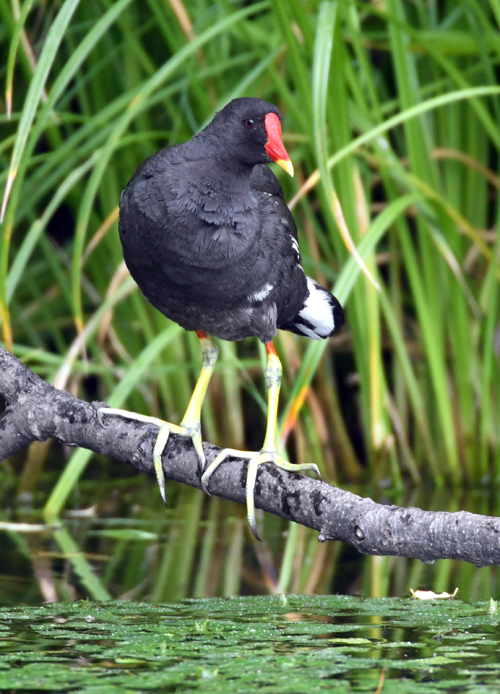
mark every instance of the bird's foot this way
{"type": "Point", "coordinates": [193, 430]}
{"type": "Point", "coordinates": [254, 460]}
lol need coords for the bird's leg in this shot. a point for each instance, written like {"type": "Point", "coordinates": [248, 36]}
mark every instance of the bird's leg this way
{"type": "Point", "coordinates": [191, 420]}
{"type": "Point", "coordinates": [268, 453]}
{"type": "Point", "coordinates": [190, 425]}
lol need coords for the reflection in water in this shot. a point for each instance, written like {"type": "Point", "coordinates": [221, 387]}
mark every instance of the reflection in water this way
{"type": "Point", "coordinates": [130, 546]}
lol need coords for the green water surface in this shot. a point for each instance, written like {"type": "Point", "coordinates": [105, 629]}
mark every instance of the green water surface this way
{"type": "Point", "coordinates": [267, 644]}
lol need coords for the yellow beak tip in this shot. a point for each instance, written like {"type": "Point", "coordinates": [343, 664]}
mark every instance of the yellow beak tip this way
{"type": "Point", "coordinates": [286, 165]}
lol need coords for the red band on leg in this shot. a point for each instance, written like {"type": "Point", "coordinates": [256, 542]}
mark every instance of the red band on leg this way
{"type": "Point", "coordinates": [270, 348]}
{"type": "Point", "coordinates": [201, 334]}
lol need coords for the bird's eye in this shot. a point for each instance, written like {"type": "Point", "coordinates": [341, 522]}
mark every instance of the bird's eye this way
{"type": "Point", "coordinates": [249, 123]}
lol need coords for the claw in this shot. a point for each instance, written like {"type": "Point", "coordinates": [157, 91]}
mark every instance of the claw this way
{"type": "Point", "coordinates": [223, 455]}
{"type": "Point", "coordinates": [255, 459]}
{"type": "Point", "coordinates": [316, 471]}
{"type": "Point", "coordinates": [160, 445]}
{"type": "Point", "coordinates": [165, 429]}
{"type": "Point", "coordinates": [198, 447]}
{"type": "Point", "coordinates": [249, 493]}
{"type": "Point", "coordinates": [190, 425]}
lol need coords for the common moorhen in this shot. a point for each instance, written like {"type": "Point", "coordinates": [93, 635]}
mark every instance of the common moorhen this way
{"type": "Point", "coordinates": [210, 241]}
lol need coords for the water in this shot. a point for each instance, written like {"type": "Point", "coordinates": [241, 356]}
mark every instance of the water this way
{"type": "Point", "coordinates": [265, 644]}
{"type": "Point", "coordinates": [121, 542]}
{"type": "Point", "coordinates": [130, 546]}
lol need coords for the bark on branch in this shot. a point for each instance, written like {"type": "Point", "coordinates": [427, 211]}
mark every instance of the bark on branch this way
{"type": "Point", "coordinates": [37, 411]}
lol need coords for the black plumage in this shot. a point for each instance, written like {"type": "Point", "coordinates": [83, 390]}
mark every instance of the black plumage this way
{"type": "Point", "coordinates": [210, 241]}
{"type": "Point", "coordinates": [208, 237]}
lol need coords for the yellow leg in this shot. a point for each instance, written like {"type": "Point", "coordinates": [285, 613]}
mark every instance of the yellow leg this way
{"type": "Point", "coordinates": [192, 417]}
{"type": "Point", "coordinates": [268, 452]}
{"type": "Point", "coordinates": [190, 425]}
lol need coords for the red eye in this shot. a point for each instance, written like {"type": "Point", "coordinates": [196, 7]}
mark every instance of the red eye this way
{"type": "Point", "coordinates": [249, 123]}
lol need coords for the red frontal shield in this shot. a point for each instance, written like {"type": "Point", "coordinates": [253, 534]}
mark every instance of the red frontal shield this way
{"type": "Point", "coordinates": [274, 147]}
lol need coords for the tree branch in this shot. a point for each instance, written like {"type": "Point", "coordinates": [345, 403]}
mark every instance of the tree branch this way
{"type": "Point", "coordinates": [37, 411]}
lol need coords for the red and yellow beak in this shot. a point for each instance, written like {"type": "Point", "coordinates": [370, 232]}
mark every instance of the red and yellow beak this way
{"type": "Point", "coordinates": [274, 146]}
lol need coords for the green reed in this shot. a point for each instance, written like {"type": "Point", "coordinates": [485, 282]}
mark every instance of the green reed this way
{"type": "Point", "coordinates": [393, 109]}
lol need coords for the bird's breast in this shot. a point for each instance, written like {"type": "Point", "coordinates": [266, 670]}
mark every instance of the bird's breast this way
{"type": "Point", "coordinates": [210, 229]}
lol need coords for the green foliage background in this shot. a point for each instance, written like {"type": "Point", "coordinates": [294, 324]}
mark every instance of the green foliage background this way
{"type": "Point", "coordinates": [391, 113]}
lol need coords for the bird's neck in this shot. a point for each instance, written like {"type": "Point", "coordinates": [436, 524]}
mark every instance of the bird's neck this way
{"type": "Point", "coordinates": [222, 162]}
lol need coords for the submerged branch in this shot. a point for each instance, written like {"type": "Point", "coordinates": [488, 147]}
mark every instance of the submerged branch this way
{"type": "Point", "coordinates": [36, 411]}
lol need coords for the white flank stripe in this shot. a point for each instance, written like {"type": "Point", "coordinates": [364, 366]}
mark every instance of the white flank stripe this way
{"type": "Point", "coordinates": [259, 296]}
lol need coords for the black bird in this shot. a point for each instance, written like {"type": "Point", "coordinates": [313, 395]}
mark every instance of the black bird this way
{"type": "Point", "coordinates": [210, 241]}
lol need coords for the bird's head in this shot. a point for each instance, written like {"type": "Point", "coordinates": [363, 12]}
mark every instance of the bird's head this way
{"type": "Point", "coordinates": [249, 130]}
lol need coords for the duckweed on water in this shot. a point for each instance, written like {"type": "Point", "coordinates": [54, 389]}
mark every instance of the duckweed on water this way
{"type": "Point", "coordinates": [309, 644]}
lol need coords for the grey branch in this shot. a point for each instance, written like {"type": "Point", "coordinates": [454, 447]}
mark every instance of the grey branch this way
{"type": "Point", "coordinates": [36, 411]}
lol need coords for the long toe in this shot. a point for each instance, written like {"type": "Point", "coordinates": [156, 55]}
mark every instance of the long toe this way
{"type": "Point", "coordinates": [195, 435]}
{"type": "Point", "coordinates": [262, 458]}
{"type": "Point", "coordinates": [160, 445]}
{"type": "Point", "coordinates": [165, 429]}
{"type": "Point", "coordinates": [254, 460]}
{"type": "Point", "coordinates": [221, 458]}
